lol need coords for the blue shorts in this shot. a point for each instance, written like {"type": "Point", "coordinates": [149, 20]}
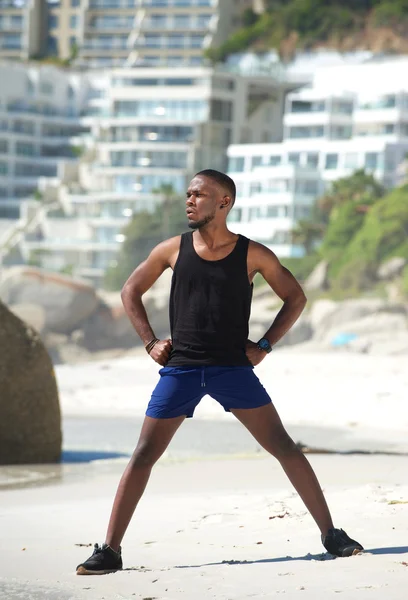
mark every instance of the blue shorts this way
{"type": "Point", "coordinates": [180, 389]}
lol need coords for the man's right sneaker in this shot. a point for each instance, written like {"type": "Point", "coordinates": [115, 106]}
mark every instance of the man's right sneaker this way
{"type": "Point", "coordinates": [338, 543]}
{"type": "Point", "coordinates": [103, 560]}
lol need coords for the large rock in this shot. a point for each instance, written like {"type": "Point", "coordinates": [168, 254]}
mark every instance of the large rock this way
{"type": "Point", "coordinates": [317, 279]}
{"type": "Point", "coordinates": [366, 329]}
{"type": "Point", "coordinates": [32, 314]}
{"type": "Point", "coordinates": [391, 268]}
{"type": "Point", "coordinates": [328, 316]}
{"type": "Point", "coordinates": [30, 420]}
{"type": "Point", "coordinates": [67, 302]}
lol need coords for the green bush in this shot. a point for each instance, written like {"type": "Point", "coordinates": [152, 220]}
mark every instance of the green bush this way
{"type": "Point", "coordinates": [383, 234]}
{"type": "Point", "coordinates": [389, 14]}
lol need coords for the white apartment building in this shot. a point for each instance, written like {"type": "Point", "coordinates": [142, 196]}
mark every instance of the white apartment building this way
{"type": "Point", "coordinates": [153, 32]}
{"type": "Point", "coordinates": [108, 33]}
{"type": "Point", "coordinates": [149, 127]}
{"type": "Point", "coordinates": [39, 126]}
{"type": "Point", "coordinates": [341, 123]}
{"type": "Point", "coordinates": [22, 29]}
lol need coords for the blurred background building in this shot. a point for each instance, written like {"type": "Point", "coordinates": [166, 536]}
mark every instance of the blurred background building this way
{"type": "Point", "coordinates": [341, 123]}
{"type": "Point", "coordinates": [132, 108]}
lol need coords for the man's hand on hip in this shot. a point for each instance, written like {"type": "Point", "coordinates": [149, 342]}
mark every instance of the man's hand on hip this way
{"type": "Point", "coordinates": [160, 352]}
{"type": "Point", "coordinates": [254, 353]}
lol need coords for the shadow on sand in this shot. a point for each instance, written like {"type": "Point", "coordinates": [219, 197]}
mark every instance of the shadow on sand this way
{"type": "Point", "coordinates": [320, 557]}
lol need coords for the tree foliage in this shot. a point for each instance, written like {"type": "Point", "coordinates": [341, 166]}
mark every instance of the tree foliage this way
{"type": "Point", "coordinates": [313, 22]}
{"type": "Point", "coordinates": [143, 233]}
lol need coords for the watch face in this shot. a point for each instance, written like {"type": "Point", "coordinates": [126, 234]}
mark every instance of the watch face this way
{"type": "Point", "coordinates": [264, 344]}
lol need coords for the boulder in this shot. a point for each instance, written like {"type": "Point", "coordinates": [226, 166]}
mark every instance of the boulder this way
{"type": "Point", "coordinates": [30, 420]}
{"type": "Point", "coordinates": [32, 314]}
{"type": "Point", "coordinates": [391, 268]}
{"type": "Point", "coordinates": [317, 279]}
{"type": "Point", "coordinates": [366, 329]}
{"type": "Point", "coordinates": [337, 316]}
{"type": "Point", "coordinates": [66, 301]}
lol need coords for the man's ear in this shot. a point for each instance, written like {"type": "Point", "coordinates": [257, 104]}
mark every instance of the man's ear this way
{"type": "Point", "coordinates": [226, 201]}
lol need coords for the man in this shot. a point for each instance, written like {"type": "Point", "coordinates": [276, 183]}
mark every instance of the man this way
{"type": "Point", "coordinates": [209, 353]}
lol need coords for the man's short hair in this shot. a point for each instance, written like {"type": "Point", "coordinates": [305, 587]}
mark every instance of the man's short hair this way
{"type": "Point", "coordinates": [222, 179]}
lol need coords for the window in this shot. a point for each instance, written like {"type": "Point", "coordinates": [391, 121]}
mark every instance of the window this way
{"type": "Point", "coordinates": [72, 41]}
{"type": "Point", "coordinates": [3, 168]}
{"type": "Point", "coordinates": [301, 106]}
{"type": "Point", "coordinates": [221, 110]}
{"type": "Point", "coordinates": [294, 158]}
{"type": "Point", "coordinates": [316, 131]}
{"type": "Point", "coordinates": [46, 88]}
{"type": "Point", "coordinates": [12, 41]}
{"type": "Point", "coordinates": [277, 186]}
{"type": "Point", "coordinates": [308, 187]}
{"type": "Point", "coordinates": [203, 21]}
{"type": "Point", "coordinates": [312, 160]}
{"type": "Point", "coordinates": [176, 41]}
{"type": "Point", "coordinates": [182, 21]}
{"type": "Point", "coordinates": [75, 3]}
{"type": "Point", "coordinates": [158, 21]}
{"type": "Point", "coordinates": [341, 132]}
{"type": "Point", "coordinates": [331, 161]}
{"type": "Point", "coordinates": [274, 161]}
{"type": "Point", "coordinates": [196, 41]}
{"type": "Point", "coordinates": [351, 160]}
{"type": "Point", "coordinates": [21, 126]}
{"type": "Point", "coordinates": [255, 188]}
{"type": "Point", "coordinates": [254, 213]}
{"type": "Point", "coordinates": [276, 211]}
{"type": "Point", "coordinates": [235, 215]}
{"type": "Point", "coordinates": [25, 149]}
{"type": "Point", "coordinates": [16, 21]}
{"type": "Point", "coordinates": [52, 21]}
{"type": "Point", "coordinates": [73, 21]}
{"type": "Point", "coordinates": [256, 161]}
{"type": "Point", "coordinates": [3, 146]}
{"type": "Point", "coordinates": [371, 160]}
{"type": "Point", "coordinates": [236, 164]}
{"type": "Point", "coordinates": [52, 45]}
{"type": "Point", "coordinates": [342, 108]}
{"type": "Point", "coordinates": [388, 101]}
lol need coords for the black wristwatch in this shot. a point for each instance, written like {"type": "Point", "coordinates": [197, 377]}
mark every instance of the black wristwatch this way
{"type": "Point", "coordinates": [264, 344]}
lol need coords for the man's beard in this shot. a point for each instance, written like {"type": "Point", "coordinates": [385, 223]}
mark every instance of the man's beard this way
{"type": "Point", "coordinates": [202, 223]}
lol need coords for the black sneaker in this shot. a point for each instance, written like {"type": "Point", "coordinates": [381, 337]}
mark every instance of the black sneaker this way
{"type": "Point", "coordinates": [338, 543]}
{"type": "Point", "coordinates": [103, 560]}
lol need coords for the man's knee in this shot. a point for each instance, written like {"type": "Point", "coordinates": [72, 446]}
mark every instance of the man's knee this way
{"type": "Point", "coordinates": [145, 455]}
{"type": "Point", "coordinates": [281, 445]}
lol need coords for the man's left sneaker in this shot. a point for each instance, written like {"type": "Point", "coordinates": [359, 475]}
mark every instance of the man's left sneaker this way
{"type": "Point", "coordinates": [338, 543]}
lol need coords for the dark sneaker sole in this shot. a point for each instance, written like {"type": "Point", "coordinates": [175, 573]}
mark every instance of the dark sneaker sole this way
{"type": "Point", "coordinates": [83, 571]}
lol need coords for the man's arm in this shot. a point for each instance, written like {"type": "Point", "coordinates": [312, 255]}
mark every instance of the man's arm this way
{"type": "Point", "coordinates": [141, 280]}
{"type": "Point", "coordinates": [264, 261]}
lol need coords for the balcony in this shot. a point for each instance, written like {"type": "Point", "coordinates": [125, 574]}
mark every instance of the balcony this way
{"type": "Point", "coordinates": [110, 24]}
{"type": "Point", "coordinates": [114, 4]}
{"type": "Point", "coordinates": [101, 44]}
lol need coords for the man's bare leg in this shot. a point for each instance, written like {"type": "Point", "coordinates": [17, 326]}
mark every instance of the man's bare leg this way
{"type": "Point", "coordinates": [154, 438]}
{"type": "Point", "coordinates": [265, 425]}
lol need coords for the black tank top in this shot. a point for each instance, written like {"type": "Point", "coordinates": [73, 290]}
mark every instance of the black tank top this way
{"type": "Point", "coordinates": [210, 304]}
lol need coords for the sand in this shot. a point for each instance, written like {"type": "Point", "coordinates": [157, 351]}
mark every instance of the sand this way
{"type": "Point", "coordinates": [212, 529]}
{"type": "Point", "coordinates": [216, 527]}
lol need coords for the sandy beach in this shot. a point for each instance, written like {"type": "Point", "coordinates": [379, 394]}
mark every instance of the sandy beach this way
{"type": "Point", "coordinates": [219, 518]}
